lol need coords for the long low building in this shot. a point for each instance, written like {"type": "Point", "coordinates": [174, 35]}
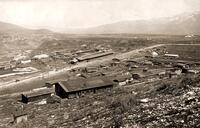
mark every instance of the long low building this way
{"type": "Point", "coordinates": [36, 95]}
{"type": "Point", "coordinates": [93, 56]}
{"type": "Point", "coordinates": [80, 86]}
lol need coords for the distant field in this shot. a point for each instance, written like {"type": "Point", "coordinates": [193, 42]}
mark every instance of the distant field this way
{"type": "Point", "coordinates": [120, 44]}
{"type": "Point", "coordinates": [189, 52]}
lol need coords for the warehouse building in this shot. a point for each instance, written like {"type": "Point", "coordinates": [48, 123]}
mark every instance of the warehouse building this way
{"type": "Point", "coordinates": [78, 87]}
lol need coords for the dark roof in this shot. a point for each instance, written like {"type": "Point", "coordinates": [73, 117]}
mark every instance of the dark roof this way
{"type": "Point", "coordinates": [39, 93]}
{"type": "Point", "coordinates": [73, 84]}
{"type": "Point", "coordinates": [95, 55]}
{"type": "Point", "coordinates": [98, 82]}
{"type": "Point", "coordinates": [83, 84]}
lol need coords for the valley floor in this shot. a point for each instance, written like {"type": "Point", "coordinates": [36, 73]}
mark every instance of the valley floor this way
{"type": "Point", "coordinates": [154, 90]}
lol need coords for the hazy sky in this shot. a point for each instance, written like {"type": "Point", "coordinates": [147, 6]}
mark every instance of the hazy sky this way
{"type": "Point", "coordinates": [62, 14]}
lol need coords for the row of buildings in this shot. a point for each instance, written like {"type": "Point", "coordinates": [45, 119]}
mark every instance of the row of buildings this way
{"type": "Point", "coordinates": [72, 88]}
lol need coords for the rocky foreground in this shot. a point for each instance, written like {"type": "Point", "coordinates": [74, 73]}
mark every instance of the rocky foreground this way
{"type": "Point", "coordinates": [167, 103]}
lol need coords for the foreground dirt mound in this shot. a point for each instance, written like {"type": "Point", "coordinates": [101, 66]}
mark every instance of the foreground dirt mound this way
{"type": "Point", "coordinates": [175, 104]}
{"type": "Point", "coordinates": [178, 87]}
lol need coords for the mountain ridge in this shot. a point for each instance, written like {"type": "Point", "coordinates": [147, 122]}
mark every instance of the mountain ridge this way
{"type": "Point", "coordinates": [12, 28]}
{"type": "Point", "coordinates": [187, 23]}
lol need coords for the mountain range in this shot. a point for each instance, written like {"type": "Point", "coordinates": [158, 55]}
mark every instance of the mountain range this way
{"type": "Point", "coordinates": [11, 28]}
{"type": "Point", "coordinates": [188, 23]}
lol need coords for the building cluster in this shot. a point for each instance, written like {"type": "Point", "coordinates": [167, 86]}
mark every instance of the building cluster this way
{"type": "Point", "coordinates": [104, 77]}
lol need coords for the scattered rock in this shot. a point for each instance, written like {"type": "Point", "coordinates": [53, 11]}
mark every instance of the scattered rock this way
{"type": "Point", "coordinates": [42, 102]}
{"type": "Point", "coordinates": [144, 100]}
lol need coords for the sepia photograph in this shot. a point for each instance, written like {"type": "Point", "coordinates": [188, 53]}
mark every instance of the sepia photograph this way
{"type": "Point", "coordinates": [99, 63]}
